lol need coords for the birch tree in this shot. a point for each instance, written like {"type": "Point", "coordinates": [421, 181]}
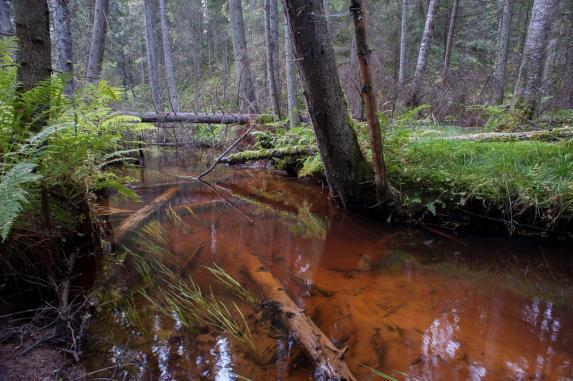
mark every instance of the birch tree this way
{"type": "Point", "coordinates": [97, 45]}
{"type": "Point", "coordinates": [247, 93]}
{"type": "Point", "coordinates": [168, 59]}
{"type": "Point", "coordinates": [61, 22]}
{"type": "Point", "coordinates": [499, 73]}
{"type": "Point", "coordinates": [346, 170]}
{"type": "Point", "coordinates": [414, 96]}
{"type": "Point", "coordinates": [527, 93]}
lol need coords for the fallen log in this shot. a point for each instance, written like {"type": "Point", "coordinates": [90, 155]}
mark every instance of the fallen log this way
{"type": "Point", "coordinates": [555, 134]}
{"type": "Point", "coordinates": [272, 153]}
{"type": "Point", "coordinates": [142, 214]}
{"type": "Point", "coordinates": [327, 358]}
{"type": "Point", "coordinates": [202, 118]}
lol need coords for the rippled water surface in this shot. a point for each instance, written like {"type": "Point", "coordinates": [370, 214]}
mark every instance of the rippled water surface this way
{"type": "Point", "coordinates": [405, 301]}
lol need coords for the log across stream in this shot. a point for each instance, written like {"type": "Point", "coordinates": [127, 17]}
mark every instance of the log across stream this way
{"type": "Point", "coordinates": [398, 301]}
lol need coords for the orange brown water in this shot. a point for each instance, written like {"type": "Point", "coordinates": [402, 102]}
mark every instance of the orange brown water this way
{"type": "Point", "coordinates": [406, 302]}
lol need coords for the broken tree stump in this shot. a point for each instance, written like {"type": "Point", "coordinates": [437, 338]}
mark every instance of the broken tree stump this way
{"type": "Point", "coordinates": [327, 358]}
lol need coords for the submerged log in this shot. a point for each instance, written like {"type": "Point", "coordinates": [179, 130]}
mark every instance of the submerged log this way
{"type": "Point", "coordinates": [272, 153]}
{"type": "Point", "coordinates": [142, 214]}
{"type": "Point", "coordinates": [555, 134]}
{"type": "Point", "coordinates": [327, 358]}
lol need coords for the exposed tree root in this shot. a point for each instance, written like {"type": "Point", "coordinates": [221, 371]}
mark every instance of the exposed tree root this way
{"type": "Point", "coordinates": [328, 359]}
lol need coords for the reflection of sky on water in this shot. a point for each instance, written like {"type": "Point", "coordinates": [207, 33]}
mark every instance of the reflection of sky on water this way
{"type": "Point", "coordinates": [223, 361]}
{"type": "Point", "coordinates": [160, 348]}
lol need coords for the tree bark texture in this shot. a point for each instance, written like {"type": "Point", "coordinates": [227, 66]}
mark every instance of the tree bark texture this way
{"type": "Point", "coordinates": [450, 38]}
{"type": "Point", "coordinates": [61, 21]}
{"type": "Point", "coordinates": [152, 69]}
{"type": "Point", "coordinates": [345, 167]}
{"type": "Point", "coordinates": [414, 96]}
{"type": "Point", "coordinates": [272, 54]}
{"type": "Point", "coordinates": [358, 10]}
{"type": "Point", "coordinates": [550, 55]}
{"type": "Point", "coordinates": [168, 59]}
{"type": "Point", "coordinates": [97, 45]}
{"type": "Point", "coordinates": [6, 27]}
{"type": "Point", "coordinates": [247, 93]}
{"type": "Point", "coordinates": [290, 69]}
{"type": "Point", "coordinates": [527, 94]}
{"type": "Point", "coordinates": [567, 85]}
{"type": "Point", "coordinates": [499, 72]}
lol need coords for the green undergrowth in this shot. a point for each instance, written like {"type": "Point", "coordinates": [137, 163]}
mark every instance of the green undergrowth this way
{"type": "Point", "coordinates": [433, 174]}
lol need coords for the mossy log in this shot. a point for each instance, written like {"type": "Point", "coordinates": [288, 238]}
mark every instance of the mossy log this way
{"type": "Point", "coordinates": [555, 134]}
{"type": "Point", "coordinates": [327, 358]}
{"type": "Point", "coordinates": [133, 221]}
{"type": "Point", "coordinates": [272, 153]}
{"type": "Point", "coordinates": [202, 118]}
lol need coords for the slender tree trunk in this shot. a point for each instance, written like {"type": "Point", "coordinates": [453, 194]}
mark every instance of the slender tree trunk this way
{"type": "Point", "coordinates": [168, 59]}
{"type": "Point", "coordinates": [272, 54]}
{"type": "Point", "coordinates": [450, 38]}
{"type": "Point", "coordinates": [152, 70]}
{"type": "Point", "coordinates": [358, 11]}
{"type": "Point", "coordinates": [97, 46]}
{"type": "Point", "coordinates": [63, 39]}
{"type": "Point", "coordinates": [403, 47]}
{"type": "Point", "coordinates": [293, 112]}
{"type": "Point", "coordinates": [499, 73]}
{"type": "Point", "coordinates": [247, 93]}
{"type": "Point", "coordinates": [414, 97]}
{"type": "Point", "coordinates": [527, 92]}
{"type": "Point", "coordinates": [142, 73]}
{"type": "Point", "coordinates": [346, 169]}
{"type": "Point", "coordinates": [6, 28]}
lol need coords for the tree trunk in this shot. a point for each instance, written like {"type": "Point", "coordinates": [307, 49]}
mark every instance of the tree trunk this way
{"type": "Point", "coordinates": [168, 59]}
{"type": "Point", "coordinates": [272, 54]}
{"type": "Point", "coordinates": [527, 92]}
{"type": "Point", "coordinates": [550, 54]}
{"type": "Point", "coordinates": [190, 21]}
{"type": "Point", "coordinates": [293, 112]}
{"type": "Point", "coordinates": [97, 46]}
{"type": "Point", "coordinates": [450, 38]}
{"type": "Point", "coordinates": [152, 70]}
{"type": "Point", "coordinates": [247, 93]}
{"type": "Point", "coordinates": [499, 72]}
{"type": "Point", "coordinates": [358, 11]}
{"type": "Point", "coordinates": [403, 47]}
{"type": "Point", "coordinates": [414, 97]}
{"type": "Point", "coordinates": [63, 39]}
{"type": "Point", "coordinates": [567, 86]}
{"type": "Point", "coordinates": [346, 169]}
{"type": "Point", "coordinates": [6, 28]}
{"type": "Point", "coordinates": [34, 56]}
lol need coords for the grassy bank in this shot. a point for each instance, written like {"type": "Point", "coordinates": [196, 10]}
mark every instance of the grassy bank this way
{"type": "Point", "coordinates": [513, 182]}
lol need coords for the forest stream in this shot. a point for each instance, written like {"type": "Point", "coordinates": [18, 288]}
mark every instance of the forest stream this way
{"type": "Point", "coordinates": [405, 301]}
